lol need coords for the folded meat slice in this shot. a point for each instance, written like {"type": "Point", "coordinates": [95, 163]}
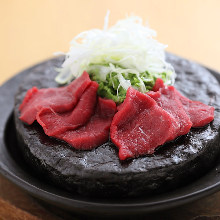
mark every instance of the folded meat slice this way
{"type": "Point", "coordinates": [166, 98]}
{"type": "Point", "coordinates": [96, 131]}
{"type": "Point", "coordinates": [59, 99]}
{"type": "Point", "coordinates": [55, 123]}
{"type": "Point", "coordinates": [141, 125]}
{"type": "Point", "coordinates": [199, 113]}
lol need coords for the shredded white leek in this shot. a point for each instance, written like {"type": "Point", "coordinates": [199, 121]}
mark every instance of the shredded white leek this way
{"type": "Point", "coordinates": [126, 47]}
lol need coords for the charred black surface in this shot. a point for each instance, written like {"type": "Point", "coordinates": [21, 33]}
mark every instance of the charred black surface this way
{"type": "Point", "coordinates": [99, 172]}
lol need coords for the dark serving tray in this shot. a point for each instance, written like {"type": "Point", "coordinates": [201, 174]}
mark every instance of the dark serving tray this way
{"type": "Point", "coordinates": [13, 167]}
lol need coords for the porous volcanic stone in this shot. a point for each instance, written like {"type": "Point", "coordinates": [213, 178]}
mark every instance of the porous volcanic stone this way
{"type": "Point", "coordinates": [99, 172]}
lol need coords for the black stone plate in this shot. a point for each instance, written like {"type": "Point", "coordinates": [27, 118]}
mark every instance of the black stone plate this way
{"type": "Point", "coordinates": [13, 167]}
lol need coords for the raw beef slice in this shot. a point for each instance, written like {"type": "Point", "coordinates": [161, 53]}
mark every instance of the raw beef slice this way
{"type": "Point", "coordinates": [168, 101]}
{"type": "Point", "coordinates": [55, 123]}
{"type": "Point", "coordinates": [96, 131]}
{"type": "Point", "coordinates": [141, 125]}
{"type": "Point", "coordinates": [199, 113]}
{"type": "Point", "coordinates": [59, 99]}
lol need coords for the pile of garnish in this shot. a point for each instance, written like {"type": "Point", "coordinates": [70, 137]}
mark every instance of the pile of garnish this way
{"type": "Point", "coordinates": [118, 57]}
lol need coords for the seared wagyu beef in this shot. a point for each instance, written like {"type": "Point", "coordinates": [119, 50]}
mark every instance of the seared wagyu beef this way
{"type": "Point", "coordinates": [141, 125]}
{"type": "Point", "coordinates": [59, 99]}
{"type": "Point", "coordinates": [73, 113]}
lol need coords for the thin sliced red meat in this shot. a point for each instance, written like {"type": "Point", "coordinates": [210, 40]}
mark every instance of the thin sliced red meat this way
{"type": "Point", "coordinates": [166, 98]}
{"type": "Point", "coordinates": [200, 114]}
{"type": "Point", "coordinates": [96, 131]}
{"type": "Point", "coordinates": [140, 126]}
{"type": "Point", "coordinates": [59, 99]}
{"type": "Point", "coordinates": [55, 123]}
{"type": "Point", "coordinates": [158, 84]}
